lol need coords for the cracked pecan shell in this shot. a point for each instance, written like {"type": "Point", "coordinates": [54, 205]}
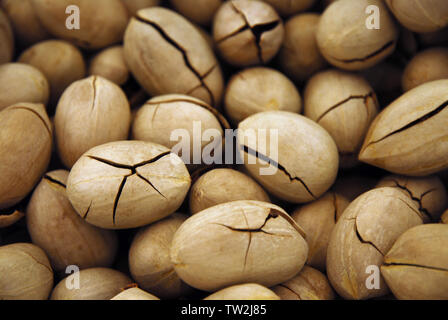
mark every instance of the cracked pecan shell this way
{"type": "Point", "coordinates": [416, 267]}
{"type": "Point", "coordinates": [127, 184]}
{"type": "Point", "coordinates": [410, 135]}
{"type": "Point", "coordinates": [362, 236]}
{"type": "Point", "coordinates": [238, 242]}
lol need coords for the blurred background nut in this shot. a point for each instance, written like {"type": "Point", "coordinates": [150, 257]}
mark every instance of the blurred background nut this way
{"type": "Point", "coordinates": [26, 134]}
{"type": "Point", "coordinates": [345, 105]}
{"type": "Point", "coordinates": [25, 273]}
{"type": "Point", "coordinates": [428, 65]}
{"type": "Point", "coordinates": [22, 83]}
{"type": "Point", "coordinates": [94, 284]}
{"type": "Point", "coordinates": [352, 185]}
{"type": "Point", "coordinates": [307, 161]}
{"type": "Point", "coordinates": [416, 267]}
{"type": "Point", "coordinates": [127, 184]}
{"type": "Point", "coordinates": [198, 11]}
{"type": "Point", "coordinates": [346, 42]}
{"type": "Point", "coordinates": [9, 217]}
{"type": "Point", "coordinates": [318, 219]}
{"type": "Point", "coordinates": [299, 56]}
{"type": "Point", "coordinates": [247, 32]}
{"type": "Point", "coordinates": [249, 291]}
{"type": "Point", "coordinates": [91, 112]}
{"type": "Point", "coordinates": [134, 294]}
{"type": "Point", "coordinates": [160, 43]}
{"type": "Point", "coordinates": [444, 218]}
{"type": "Point", "coordinates": [149, 259]}
{"type": "Point", "coordinates": [6, 39]}
{"type": "Point", "coordinates": [55, 227]}
{"type": "Point", "coordinates": [110, 64]}
{"type": "Point", "coordinates": [59, 61]}
{"type": "Point", "coordinates": [134, 5]}
{"type": "Point", "coordinates": [26, 25]}
{"type": "Point", "coordinates": [290, 7]}
{"type": "Point", "coordinates": [428, 193]}
{"type": "Point", "coordinates": [103, 21]}
{"type": "Point", "coordinates": [260, 89]}
{"type": "Point", "coordinates": [223, 185]}
{"type": "Point", "coordinates": [309, 284]}
{"type": "Point", "coordinates": [420, 16]}
{"type": "Point", "coordinates": [362, 236]}
{"type": "Point", "coordinates": [238, 242]}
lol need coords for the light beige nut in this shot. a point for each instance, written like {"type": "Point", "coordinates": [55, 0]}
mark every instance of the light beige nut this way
{"type": "Point", "coordinates": [25, 272]}
{"type": "Point", "coordinates": [127, 184]}
{"type": "Point", "coordinates": [25, 132]}
{"type": "Point", "coordinates": [223, 185]}
{"type": "Point", "coordinates": [307, 161]}
{"type": "Point", "coordinates": [238, 242]}
{"type": "Point", "coordinates": [94, 284]}
{"type": "Point", "coordinates": [134, 5]}
{"type": "Point", "coordinates": [408, 136]}
{"type": "Point", "coordinates": [309, 284]}
{"type": "Point", "coordinates": [346, 42]}
{"type": "Point", "coordinates": [110, 64]}
{"type": "Point", "coordinates": [160, 43]}
{"type": "Point", "coordinates": [198, 11]}
{"type": "Point", "coordinates": [260, 89]}
{"type": "Point", "coordinates": [318, 219]}
{"type": "Point", "coordinates": [362, 236]}
{"type": "Point", "coordinates": [331, 98]}
{"type": "Point", "coordinates": [91, 112]}
{"type": "Point", "coordinates": [249, 291]}
{"type": "Point", "coordinates": [247, 32]}
{"type": "Point", "coordinates": [416, 267]}
{"type": "Point", "coordinates": [55, 227]}
{"type": "Point", "coordinates": [134, 294]}
{"type": "Point", "coordinates": [149, 259]}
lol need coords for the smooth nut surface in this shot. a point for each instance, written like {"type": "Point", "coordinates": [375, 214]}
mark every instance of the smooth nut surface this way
{"type": "Point", "coordinates": [249, 291]}
{"type": "Point", "coordinates": [290, 7]}
{"type": "Point", "coordinates": [91, 112]}
{"type": "Point", "coordinates": [260, 89]}
{"type": "Point", "coordinates": [134, 5]}
{"type": "Point", "coordinates": [346, 42]}
{"type": "Point", "coordinates": [25, 273]}
{"type": "Point", "coordinates": [247, 32]}
{"type": "Point", "coordinates": [238, 242]}
{"type": "Point", "coordinates": [110, 64]}
{"type": "Point", "coordinates": [20, 83]}
{"type": "Point", "coordinates": [127, 184]}
{"type": "Point", "coordinates": [362, 236]}
{"type": "Point", "coordinates": [155, 34]}
{"type": "Point", "coordinates": [25, 132]}
{"type": "Point", "coordinates": [55, 227]}
{"type": "Point", "coordinates": [198, 11]}
{"type": "Point", "coordinates": [416, 122]}
{"type": "Point", "coordinates": [223, 185]}
{"type": "Point", "coordinates": [416, 267]}
{"type": "Point", "coordinates": [134, 294]}
{"type": "Point", "coordinates": [307, 161]}
{"type": "Point", "coordinates": [6, 39]}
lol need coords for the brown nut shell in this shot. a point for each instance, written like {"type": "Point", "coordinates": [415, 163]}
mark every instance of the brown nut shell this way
{"type": "Point", "coordinates": [198, 11]}
{"type": "Point", "coordinates": [134, 5]}
{"type": "Point", "coordinates": [444, 218]}
{"type": "Point", "coordinates": [6, 39]}
{"type": "Point", "coordinates": [110, 64]}
{"type": "Point", "coordinates": [249, 291]}
{"type": "Point", "coordinates": [290, 7]}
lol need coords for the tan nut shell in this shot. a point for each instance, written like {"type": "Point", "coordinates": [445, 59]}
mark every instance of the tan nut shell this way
{"type": "Point", "coordinates": [429, 193]}
{"type": "Point", "coordinates": [346, 42]}
{"type": "Point", "coordinates": [345, 105]}
{"type": "Point", "coordinates": [167, 54]}
{"type": "Point", "coordinates": [290, 7]}
{"type": "Point", "coordinates": [309, 284]}
{"type": "Point", "coordinates": [198, 11]}
{"type": "Point", "coordinates": [224, 185]}
{"type": "Point", "coordinates": [9, 218]}
{"type": "Point", "coordinates": [25, 273]}
{"type": "Point", "coordinates": [6, 39]}
{"type": "Point", "coordinates": [55, 227]}
{"type": "Point", "coordinates": [416, 267]}
{"type": "Point", "coordinates": [149, 259]}
{"type": "Point", "coordinates": [299, 56]}
{"type": "Point", "coordinates": [318, 219]}
{"type": "Point", "coordinates": [420, 16]}
{"type": "Point", "coordinates": [94, 284]}
{"type": "Point", "coordinates": [134, 294]}
{"type": "Point", "coordinates": [444, 218]}
{"type": "Point", "coordinates": [410, 135]}
{"type": "Point", "coordinates": [61, 63]}
{"type": "Point", "coordinates": [110, 64]}
{"type": "Point", "coordinates": [134, 5]}
{"type": "Point", "coordinates": [127, 184]}
{"type": "Point", "coordinates": [91, 111]}
{"type": "Point", "coordinates": [363, 234]}
{"type": "Point", "coordinates": [260, 89]}
{"type": "Point", "coordinates": [22, 83]}
{"type": "Point", "coordinates": [238, 242]}
{"type": "Point", "coordinates": [249, 291]}
{"type": "Point", "coordinates": [102, 22]}
{"type": "Point", "coordinates": [25, 132]}
{"type": "Point", "coordinates": [307, 155]}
